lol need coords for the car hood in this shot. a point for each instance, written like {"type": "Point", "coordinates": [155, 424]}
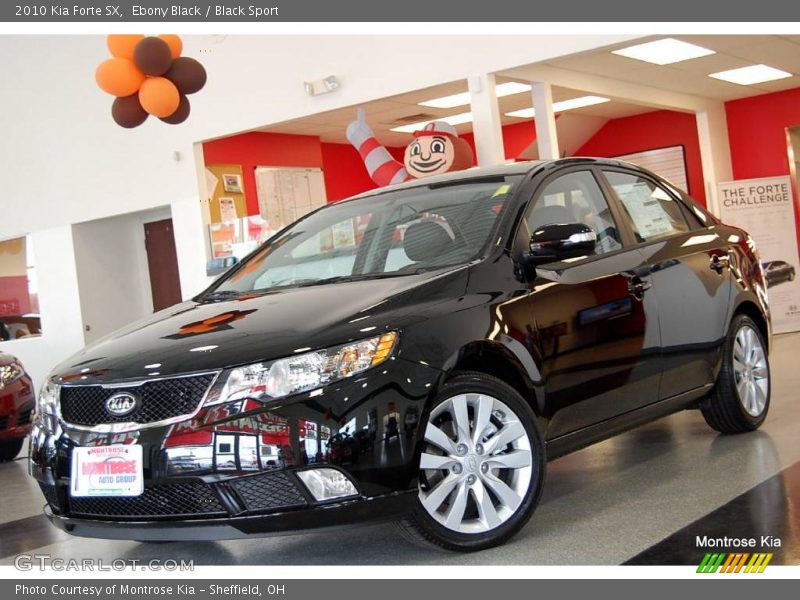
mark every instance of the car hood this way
{"type": "Point", "coordinates": [192, 336]}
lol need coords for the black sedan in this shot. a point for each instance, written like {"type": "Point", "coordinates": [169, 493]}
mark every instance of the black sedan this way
{"type": "Point", "coordinates": [778, 271]}
{"type": "Point", "coordinates": [415, 353]}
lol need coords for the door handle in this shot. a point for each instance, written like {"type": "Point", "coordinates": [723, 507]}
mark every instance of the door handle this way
{"type": "Point", "coordinates": [720, 262]}
{"type": "Point", "coordinates": [638, 286]}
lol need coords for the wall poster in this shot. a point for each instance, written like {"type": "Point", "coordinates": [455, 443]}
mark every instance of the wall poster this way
{"type": "Point", "coordinates": [765, 208]}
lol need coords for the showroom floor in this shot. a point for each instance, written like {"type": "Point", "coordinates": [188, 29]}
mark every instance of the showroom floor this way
{"type": "Point", "coordinates": [641, 498]}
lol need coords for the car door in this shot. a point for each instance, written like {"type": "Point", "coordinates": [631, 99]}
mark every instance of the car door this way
{"type": "Point", "coordinates": [688, 265]}
{"type": "Point", "coordinates": [592, 321]}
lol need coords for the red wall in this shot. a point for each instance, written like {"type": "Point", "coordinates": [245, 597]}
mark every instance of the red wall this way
{"type": "Point", "coordinates": [516, 138]}
{"type": "Point", "coordinates": [345, 174]}
{"type": "Point", "coordinates": [649, 131]}
{"type": "Point", "coordinates": [757, 133]}
{"type": "Point", "coordinates": [266, 150]}
{"type": "Point", "coordinates": [14, 295]}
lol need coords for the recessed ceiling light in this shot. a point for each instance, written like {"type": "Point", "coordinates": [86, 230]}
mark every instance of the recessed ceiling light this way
{"type": "Point", "coordinates": [501, 90]}
{"type": "Point", "coordinates": [452, 119]}
{"type": "Point", "coordinates": [751, 75]}
{"type": "Point", "coordinates": [581, 102]}
{"type": "Point", "coordinates": [664, 52]}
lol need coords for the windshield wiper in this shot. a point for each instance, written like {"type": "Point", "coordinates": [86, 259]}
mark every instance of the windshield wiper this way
{"type": "Point", "coordinates": [221, 296]}
{"type": "Point", "coordinates": [362, 277]}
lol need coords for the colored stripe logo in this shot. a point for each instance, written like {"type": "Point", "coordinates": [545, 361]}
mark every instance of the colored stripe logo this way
{"type": "Point", "coordinates": [736, 562]}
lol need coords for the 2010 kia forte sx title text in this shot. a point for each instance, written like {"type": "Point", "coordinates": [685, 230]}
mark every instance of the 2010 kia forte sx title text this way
{"type": "Point", "coordinates": [416, 353]}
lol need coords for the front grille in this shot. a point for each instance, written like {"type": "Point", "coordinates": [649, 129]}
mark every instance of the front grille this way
{"type": "Point", "coordinates": [168, 501]}
{"type": "Point", "coordinates": [158, 400]}
{"type": "Point", "coordinates": [270, 491]}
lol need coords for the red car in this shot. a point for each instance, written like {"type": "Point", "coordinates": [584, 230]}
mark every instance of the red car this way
{"type": "Point", "coordinates": [17, 400]}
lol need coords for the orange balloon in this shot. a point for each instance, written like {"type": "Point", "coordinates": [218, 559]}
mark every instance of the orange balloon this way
{"type": "Point", "coordinates": [159, 96]}
{"type": "Point", "coordinates": [174, 42]}
{"type": "Point", "coordinates": [119, 77]}
{"type": "Point", "coordinates": [122, 45]}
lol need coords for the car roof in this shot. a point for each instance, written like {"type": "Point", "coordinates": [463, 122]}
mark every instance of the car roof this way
{"type": "Point", "coordinates": [515, 168]}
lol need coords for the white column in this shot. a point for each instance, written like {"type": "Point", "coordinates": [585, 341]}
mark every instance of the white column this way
{"type": "Point", "coordinates": [486, 120]}
{"type": "Point", "coordinates": [545, 118]}
{"type": "Point", "coordinates": [715, 151]}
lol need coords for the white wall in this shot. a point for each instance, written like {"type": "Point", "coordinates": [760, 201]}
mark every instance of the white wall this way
{"type": "Point", "coordinates": [62, 329]}
{"type": "Point", "coordinates": [113, 274]}
{"type": "Point", "coordinates": [70, 163]}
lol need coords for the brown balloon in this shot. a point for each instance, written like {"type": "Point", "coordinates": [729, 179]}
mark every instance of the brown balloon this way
{"type": "Point", "coordinates": [187, 74]}
{"type": "Point", "coordinates": [181, 113]}
{"type": "Point", "coordinates": [128, 112]}
{"type": "Point", "coordinates": [153, 56]}
{"type": "Point", "coordinates": [174, 42]}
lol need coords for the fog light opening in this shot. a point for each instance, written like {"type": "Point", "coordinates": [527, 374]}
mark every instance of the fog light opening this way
{"type": "Point", "coordinates": [327, 484]}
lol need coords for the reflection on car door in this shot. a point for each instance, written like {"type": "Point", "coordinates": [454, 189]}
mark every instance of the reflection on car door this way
{"type": "Point", "coordinates": [591, 320]}
{"type": "Point", "coordinates": [688, 267]}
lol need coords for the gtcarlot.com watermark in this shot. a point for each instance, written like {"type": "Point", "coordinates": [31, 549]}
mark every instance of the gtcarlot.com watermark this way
{"type": "Point", "coordinates": [42, 562]}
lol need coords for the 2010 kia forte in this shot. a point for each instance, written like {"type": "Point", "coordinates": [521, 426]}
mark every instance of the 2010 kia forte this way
{"type": "Point", "coordinates": [417, 353]}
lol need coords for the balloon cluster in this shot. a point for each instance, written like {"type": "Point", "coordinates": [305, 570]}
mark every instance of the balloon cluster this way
{"type": "Point", "coordinates": [149, 76]}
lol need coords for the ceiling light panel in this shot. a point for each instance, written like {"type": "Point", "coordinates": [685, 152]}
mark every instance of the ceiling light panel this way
{"type": "Point", "coordinates": [751, 75]}
{"type": "Point", "coordinates": [664, 52]}
{"type": "Point", "coordinates": [501, 90]}
{"type": "Point", "coordinates": [580, 102]}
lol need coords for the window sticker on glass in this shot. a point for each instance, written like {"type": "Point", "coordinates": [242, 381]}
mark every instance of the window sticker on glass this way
{"type": "Point", "coordinates": [650, 218]}
{"type": "Point", "coordinates": [652, 210]}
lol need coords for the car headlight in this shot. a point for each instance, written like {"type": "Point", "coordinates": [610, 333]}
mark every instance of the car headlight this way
{"type": "Point", "coordinates": [9, 374]}
{"type": "Point", "coordinates": [305, 371]}
{"type": "Point", "coordinates": [47, 407]}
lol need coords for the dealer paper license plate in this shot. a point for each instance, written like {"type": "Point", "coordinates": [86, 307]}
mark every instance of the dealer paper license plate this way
{"type": "Point", "coordinates": [107, 471]}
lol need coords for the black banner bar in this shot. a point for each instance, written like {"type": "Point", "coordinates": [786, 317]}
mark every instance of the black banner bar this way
{"type": "Point", "coordinates": [462, 11]}
{"type": "Point", "coordinates": [399, 589]}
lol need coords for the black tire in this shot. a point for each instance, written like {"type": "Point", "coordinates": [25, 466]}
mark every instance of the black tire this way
{"type": "Point", "coordinates": [421, 528]}
{"type": "Point", "coordinates": [723, 410]}
{"type": "Point", "coordinates": [10, 448]}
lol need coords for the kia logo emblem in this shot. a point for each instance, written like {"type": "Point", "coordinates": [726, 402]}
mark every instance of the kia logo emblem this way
{"type": "Point", "coordinates": [122, 404]}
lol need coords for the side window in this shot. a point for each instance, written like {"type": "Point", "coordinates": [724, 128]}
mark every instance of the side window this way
{"type": "Point", "coordinates": [576, 198]}
{"type": "Point", "coordinates": [653, 212]}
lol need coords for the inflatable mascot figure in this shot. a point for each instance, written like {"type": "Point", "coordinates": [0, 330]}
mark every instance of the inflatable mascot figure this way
{"type": "Point", "coordinates": [436, 149]}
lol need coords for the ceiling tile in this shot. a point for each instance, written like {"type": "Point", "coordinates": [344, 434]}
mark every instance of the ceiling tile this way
{"type": "Point", "coordinates": [604, 62]}
{"type": "Point", "coordinates": [710, 64]}
{"type": "Point", "coordinates": [777, 53]}
{"type": "Point", "coordinates": [777, 85]}
{"type": "Point", "coordinates": [724, 43]}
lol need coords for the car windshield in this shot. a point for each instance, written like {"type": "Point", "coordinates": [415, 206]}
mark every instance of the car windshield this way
{"type": "Point", "coordinates": [390, 234]}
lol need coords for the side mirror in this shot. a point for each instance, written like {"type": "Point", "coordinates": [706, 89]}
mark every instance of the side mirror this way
{"type": "Point", "coordinates": [551, 243]}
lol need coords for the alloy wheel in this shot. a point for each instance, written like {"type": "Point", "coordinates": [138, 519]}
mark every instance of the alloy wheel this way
{"type": "Point", "coordinates": [477, 464]}
{"type": "Point", "coordinates": [750, 371]}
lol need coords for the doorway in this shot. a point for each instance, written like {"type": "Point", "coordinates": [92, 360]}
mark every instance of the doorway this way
{"type": "Point", "coordinates": [162, 264]}
{"type": "Point", "coordinates": [126, 268]}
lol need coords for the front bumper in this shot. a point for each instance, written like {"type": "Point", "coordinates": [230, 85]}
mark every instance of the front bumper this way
{"type": "Point", "coordinates": [331, 516]}
{"type": "Point", "coordinates": [231, 470]}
